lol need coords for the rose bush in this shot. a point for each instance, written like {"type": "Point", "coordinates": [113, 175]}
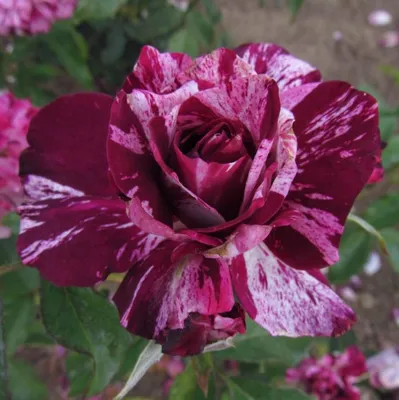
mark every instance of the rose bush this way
{"type": "Point", "coordinates": [31, 17]}
{"type": "Point", "coordinates": [15, 116]}
{"type": "Point", "coordinates": [209, 180]}
{"type": "Point", "coordinates": [331, 377]}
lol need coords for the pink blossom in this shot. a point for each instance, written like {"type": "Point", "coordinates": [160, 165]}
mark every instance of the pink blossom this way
{"type": "Point", "coordinates": [15, 117]}
{"type": "Point", "coordinates": [331, 377]}
{"type": "Point", "coordinates": [384, 369]}
{"type": "Point", "coordinates": [390, 39]}
{"type": "Point", "coordinates": [29, 17]}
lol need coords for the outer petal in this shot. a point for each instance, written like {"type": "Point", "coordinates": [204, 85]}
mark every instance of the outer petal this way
{"type": "Point", "coordinates": [175, 281]}
{"type": "Point", "coordinates": [338, 138]}
{"type": "Point", "coordinates": [78, 240]}
{"type": "Point", "coordinates": [157, 71]}
{"type": "Point", "coordinates": [67, 143]}
{"type": "Point", "coordinates": [74, 228]}
{"type": "Point", "coordinates": [276, 62]}
{"type": "Point", "coordinates": [286, 301]}
{"type": "Point", "coordinates": [201, 330]}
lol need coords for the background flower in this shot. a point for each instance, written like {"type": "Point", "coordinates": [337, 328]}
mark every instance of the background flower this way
{"type": "Point", "coordinates": [15, 117]}
{"type": "Point", "coordinates": [331, 377]}
{"type": "Point", "coordinates": [23, 17]}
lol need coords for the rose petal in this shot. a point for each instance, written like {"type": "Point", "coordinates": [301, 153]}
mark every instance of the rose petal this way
{"type": "Point", "coordinates": [286, 301]}
{"type": "Point", "coordinates": [78, 241]}
{"type": "Point", "coordinates": [276, 62]}
{"type": "Point", "coordinates": [216, 68]}
{"type": "Point", "coordinates": [131, 147]}
{"type": "Point", "coordinates": [67, 140]}
{"type": "Point", "coordinates": [200, 331]}
{"type": "Point", "coordinates": [157, 71]}
{"type": "Point", "coordinates": [174, 281]}
{"type": "Point", "coordinates": [254, 102]}
{"type": "Point", "coordinates": [74, 228]}
{"type": "Point", "coordinates": [338, 138]}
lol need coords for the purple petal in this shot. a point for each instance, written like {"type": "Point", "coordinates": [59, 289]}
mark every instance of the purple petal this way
{"type": "Point", "coordinates": [78, 240]}
{"type": "Point", "coordinates": [172, 283]}
{"type": "Point", "coordinates": [74, 228]}
{"type": "Point", "coordinates": [338, 140]}
{"type": "Point", "coordinates": [67, 143]}
{"type": "Point", "coordinates": [156, 72]}
{"type": "Point", "coordinates": [276, 62]}
{"type": "Point", "coordinates": [286, 301]}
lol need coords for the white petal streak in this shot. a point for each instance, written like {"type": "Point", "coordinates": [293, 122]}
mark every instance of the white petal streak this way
{"type": "Point", "coordinates": [32, 252]}
{"type": "Point", "coordinates": [40, 188]}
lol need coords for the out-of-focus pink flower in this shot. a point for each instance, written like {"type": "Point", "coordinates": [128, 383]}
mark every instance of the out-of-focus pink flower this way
{"type": "Point", "coordinates": [390, 39]}
{"type": "Point", "coordinates": [15, 116]}
{"type": "Point", "coordinates": [173, 366]}
{"type": "Point", "coordinates": [331, 377]}
{"type": "Point", "coordinates": [380, 17]}
{"type": "Point", "coordinates": [384, 369]}
{"type": "Point", "coordinates": [395, 315]}
{"type": "Point", "coordinates": [29, 17]}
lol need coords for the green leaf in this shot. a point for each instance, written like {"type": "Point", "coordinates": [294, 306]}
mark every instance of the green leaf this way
{"type": "Point", "coordinates": [185, 386]}
{"type": "Point", "coordinates": [390, 155]}
{"type": "Point", "coordinates": [257, 346]}
{"type": "Point", "coordinates": [12, 221]}
{"type": "Point", "coordinates": [82, 320]}
{"type": "Point", "coordinates": [71, 50]}
{"type": "Point", "coordinates": [245, 389]}
{"type": "Point", "coordinates": [354, 251]}
{"type": "Point", "coordinates": [24, 382]}
{"type": "Point", "coordinates": [97, 9]}
{"type": "Point", "coordinates": [295, 6]}
{"type": "Point", "coordinates": [115, 45]}
{"type": "Point", "coordinates": [391, 237]}
{"type": "Point", "coordinates": [183, 42]}
{"type": "Point", "coordinates": [80, 369]}
{"type": "Point", "coordinates": [199, 27]}
{"type": "Point", "coordinates": [340, 343]}
{"type": "Point", "coordinates": [4, 395]}
{"type": "Point", "coordinates": [212, 11]}
{"type": "Point", "coordinates": [384, 212]}
{"type": "Point", "coordinates": [19, 315]}
{"type": "Point", "coordinates": [19, 282]}
{"type": "Point", "coordinates": [161, 22]}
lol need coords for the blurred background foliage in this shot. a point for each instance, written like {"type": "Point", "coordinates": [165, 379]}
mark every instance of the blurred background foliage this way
{"type": "Point", "coordinates": [94, 51]}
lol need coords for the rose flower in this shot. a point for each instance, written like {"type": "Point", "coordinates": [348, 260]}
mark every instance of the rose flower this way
{"type": "Point", "coordinates": [15, 116]}
{"type": "Point", "coordinates": [331, 377]}
{"type": "Point", "coordinates": [30, 17]}
{"type": "Point", "coordinates": [221, 184]}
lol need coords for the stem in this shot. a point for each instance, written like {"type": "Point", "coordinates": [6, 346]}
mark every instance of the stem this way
{"type": "Point", "coordinates": [369, 229]}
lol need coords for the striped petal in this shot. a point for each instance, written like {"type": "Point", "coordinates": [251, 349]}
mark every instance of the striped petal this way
{"type": "Point", "coordinates": [338, 141]}
{"type": "Point", "coordinates": [74, 228]}
{"type": "Point", "coordinates": [156, 72]}
{"type": "Point", "coordinates": [170, 287]}
{"type": "Point", "coordinates": [276, 62]}
{"type": "Point", "coordinates": [285, 301]}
